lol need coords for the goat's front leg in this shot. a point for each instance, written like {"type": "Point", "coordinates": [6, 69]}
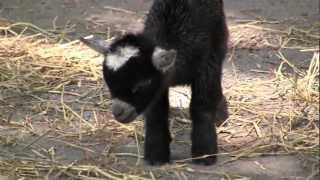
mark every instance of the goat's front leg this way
{"type": "Point", "coordinates": [157, 139]}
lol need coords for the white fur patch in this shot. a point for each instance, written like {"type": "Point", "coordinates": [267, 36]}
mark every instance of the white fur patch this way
{"type": "Point", "coordinates": [117, 59]}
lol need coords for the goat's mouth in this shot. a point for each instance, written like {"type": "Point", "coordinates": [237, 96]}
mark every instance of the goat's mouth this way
{"type": "Point", "coordinates": [123, 112]}
{"type": "Point", "coordinates": [126, 117]}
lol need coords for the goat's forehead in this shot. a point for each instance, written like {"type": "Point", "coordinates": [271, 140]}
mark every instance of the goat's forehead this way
{"type": "Point", "coordinates": [120, 56]}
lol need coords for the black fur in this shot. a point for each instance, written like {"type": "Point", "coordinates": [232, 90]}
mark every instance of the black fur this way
{"type": "Point", "coordinates": [197, 30]}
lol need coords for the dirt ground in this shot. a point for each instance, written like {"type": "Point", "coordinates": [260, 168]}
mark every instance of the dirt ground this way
{"type": "Point", "coordinates": [245, 64]}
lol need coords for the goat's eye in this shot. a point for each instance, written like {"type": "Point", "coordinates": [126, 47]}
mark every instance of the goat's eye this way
{"type": "Point", "coordinates": [140, 85]}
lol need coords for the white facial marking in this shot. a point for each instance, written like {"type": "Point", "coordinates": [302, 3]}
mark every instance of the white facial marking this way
{"type": "Point", "coordinates": [117, 59]}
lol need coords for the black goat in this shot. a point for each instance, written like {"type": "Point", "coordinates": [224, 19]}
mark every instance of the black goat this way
{"type": "Point", "coordinates": [184, 42]}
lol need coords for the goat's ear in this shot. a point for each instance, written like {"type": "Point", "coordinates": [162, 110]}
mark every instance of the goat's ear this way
{"type": "Point", "coordinates": [96, 43]}
{"type": "Point", "coordinates": [164, 60]}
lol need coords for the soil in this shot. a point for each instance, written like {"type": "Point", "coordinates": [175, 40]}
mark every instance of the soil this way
{"type": "Point", "coordinates": [117, 16]}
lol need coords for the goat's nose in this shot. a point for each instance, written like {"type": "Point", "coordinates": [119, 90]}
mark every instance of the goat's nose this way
{"type": "Point", "coordinates": [117, 109]}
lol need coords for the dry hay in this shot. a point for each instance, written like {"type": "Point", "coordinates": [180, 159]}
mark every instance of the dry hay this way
{"type": "Point", "coordinates": [54, 92]}
{"type": "Point", "coordinates": [259, 34]}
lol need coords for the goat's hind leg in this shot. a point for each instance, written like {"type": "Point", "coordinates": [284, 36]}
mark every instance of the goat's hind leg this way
{"type": "Point", "coordinates": [206, 95]}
